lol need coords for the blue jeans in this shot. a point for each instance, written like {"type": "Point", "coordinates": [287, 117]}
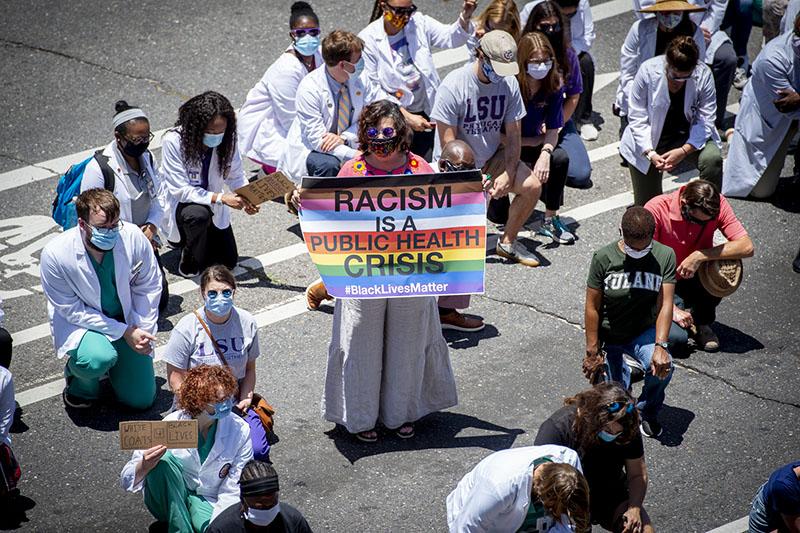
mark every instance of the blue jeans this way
{"type": "Point", "coordinates": [760, 521]}
{"type": "Point", "coordinates": [579, 171]}
{"type": "Point", "coordinates": [640, 348]}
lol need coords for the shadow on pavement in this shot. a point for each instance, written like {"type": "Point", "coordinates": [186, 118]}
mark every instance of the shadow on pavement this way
{"type": "Point", "coordinates": [733, 340]}
{"type": "Point", "coordinates": [435, 431]}
{"type": "Point", "coordinates": [108, 413]}
{"type": "Point", "coordinates": [461, 340]}
{"type": "Point", "coordinates": [675, 421]}
{"type": "Point", "coordinates": [13, 512]}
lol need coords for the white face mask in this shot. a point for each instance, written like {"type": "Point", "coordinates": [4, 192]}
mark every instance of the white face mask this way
{"type": "Point", "coordinates": [637, 254]}
{"type": "Point", "coordinates": [262, 517]}
{"type": "Point", "coordinates": [538, 71]}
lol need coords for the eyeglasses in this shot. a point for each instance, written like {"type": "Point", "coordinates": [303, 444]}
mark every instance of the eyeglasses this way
{"type": "Point", "coordinates": [671, 75]}
{"type": "Point", "coordinates": [103, 230]}
{"type": "Point", "coordinates": [227, 293]}
{"type": "Point", "coordinates": [387, 133]}
{"type": "Point", "coordinates": [549, 28]}
{"type": "Point", "coordinates": [143, 139]}
{"type": "Point", "coordinates": [402, 11]}
{"type": "Point", "coordinates": [450, 167]}
{"type": "Point", "coordinates": [616, 407]}
{"type": "Point", "coordinates": [302, 32]}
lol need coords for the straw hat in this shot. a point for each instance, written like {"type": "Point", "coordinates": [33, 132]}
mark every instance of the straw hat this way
{"type": "Point", "coordinates": [721, 277]}
{"type": "Point", "coordinates": [672, 5]}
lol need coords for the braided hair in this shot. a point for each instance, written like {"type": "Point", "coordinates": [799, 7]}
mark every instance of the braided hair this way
{"type": "Point", "coordinates": [193, 119]}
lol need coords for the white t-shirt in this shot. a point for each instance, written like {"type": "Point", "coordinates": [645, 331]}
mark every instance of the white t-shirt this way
{"type": "Point", "coordinates": [478, 110]}
{"type": "Point", "coordinates": [7, 406]}
{"type": "Point", "coordinates": [189, 345]}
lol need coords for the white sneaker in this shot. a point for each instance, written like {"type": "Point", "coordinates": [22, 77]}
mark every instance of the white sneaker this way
{"type": "Point", "coordinates": [589, 132]}
{"type": "Point", "coordinates": [517, 252]}
{"type": "Point", "coordinates": [740, 78]}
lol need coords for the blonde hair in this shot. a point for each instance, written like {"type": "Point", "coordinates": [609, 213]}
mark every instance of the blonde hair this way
{"type": "Point", "coordinates": [529, 43]}
{"type": "Point", "coordinates": [563, 491]}
{"type": "Point", "coordinates": [503, 15]}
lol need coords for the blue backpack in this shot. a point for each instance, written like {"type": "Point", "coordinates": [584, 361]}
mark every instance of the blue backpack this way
{"type": "Point", "coordinates": [69, 187]}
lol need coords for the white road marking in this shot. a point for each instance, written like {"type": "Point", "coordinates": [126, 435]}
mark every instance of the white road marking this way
{"type": "Point", "coordinates": [738, 526]}
{"type": "Point", "coordinates": [601, 80]}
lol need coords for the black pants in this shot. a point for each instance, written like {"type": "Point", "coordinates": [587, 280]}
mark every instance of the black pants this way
{"type": "Point", "coordinates": [422, 141]}
{"type": "Point", "coordinates": [553, 190]}
{"type": "Point", "coordinates": [698, 299]}
{"type": "Point", "coordinates": [5, 348]}
{"type": "Point", "coordinates": [162, 304]}
{"type": "Point", "coordinates": [204, 244]}
{"type": "Point", "coordinates": [583, 111]}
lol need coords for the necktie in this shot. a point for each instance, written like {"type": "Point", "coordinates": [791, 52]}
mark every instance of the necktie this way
{"type": "Point", "coordinates": [343, 104]}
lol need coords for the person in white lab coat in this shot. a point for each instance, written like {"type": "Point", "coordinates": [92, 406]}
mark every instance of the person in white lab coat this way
{"type": "Point", "coordinates": [102, 284]}
{"type": "Point", "coordinates": [329, 102]}
{"type": "Point", "coordinates": [671, 114]}
{"type": "Point", "coordinates": [263, 121]}
{"type": "Point", "coordinates": [9, 467]}
{"type": "Point", "coordinates": [767, 120]}
{"type": "Point", "coordinates": [398, 57]}
{"type": "Point", "coordinates": [6, 342]}
{"type": "Point", "coordinates": [199, 159]}
{"type": "Point", "coordinates": [188, 488]}
{"type": "Point", "coordinates": [137, 185]}
{"type": "Point", "coordinates": [720, 55]}
{"type": "Point", "coordinates": [535, 488]}
{"type": "Point", "coordinates": [787, 21]}
{"type": "Point", "coordinates": [648, 38]}
{"type": "Point", "coordinates": [581, 31]}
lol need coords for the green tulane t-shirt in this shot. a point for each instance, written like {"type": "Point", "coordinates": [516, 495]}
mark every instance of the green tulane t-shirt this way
{"type": "Point", "coordinates": [630, 289]}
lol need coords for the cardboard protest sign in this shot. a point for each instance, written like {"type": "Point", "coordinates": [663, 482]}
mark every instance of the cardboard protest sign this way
{"type": "Point", "coordinates": [266, 188]}
{"type": "Point", "coordinates": [140, 435]}
{"type": "Point", "coordinates": [398, 235]}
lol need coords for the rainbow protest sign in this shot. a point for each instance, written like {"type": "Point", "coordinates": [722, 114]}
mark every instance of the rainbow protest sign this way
{"type": "Point", "coordinates": [396, 236]}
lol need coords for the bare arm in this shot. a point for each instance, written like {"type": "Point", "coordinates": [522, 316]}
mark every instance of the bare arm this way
{"type": "Point", "coordinates": [738, 249]}
{"type": "Point", "coordinates": [175, 377]}
{"type": "Point", "coordinates": [513, 148]}
{"type": "Point", "coordinates": [446, 133]}
{"type": "Point", "coordinates": [594, 299]}
{"type": "Point", "coordinates": [248, 384]}
{"type": "Point", "coordinates": [569, 106]}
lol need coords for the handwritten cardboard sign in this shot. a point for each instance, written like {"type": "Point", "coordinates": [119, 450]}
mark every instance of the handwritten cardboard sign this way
{"type": "Point", "coordinates": [266, 188]}
{"type": "Point", "coordinates": [144, 434]}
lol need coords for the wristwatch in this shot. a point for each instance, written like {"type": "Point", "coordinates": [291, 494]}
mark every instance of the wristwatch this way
{"type": "Point", "coordinates": [663, 344]}
{"type": "Point", "coordinates": [548, 150]}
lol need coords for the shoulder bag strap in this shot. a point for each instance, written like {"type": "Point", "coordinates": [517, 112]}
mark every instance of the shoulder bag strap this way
{"type": "Point", "coordinates": [213, 340]}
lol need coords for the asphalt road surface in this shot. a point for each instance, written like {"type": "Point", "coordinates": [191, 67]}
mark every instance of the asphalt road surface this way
{"type": "Point", "coordinates": [731, 418]}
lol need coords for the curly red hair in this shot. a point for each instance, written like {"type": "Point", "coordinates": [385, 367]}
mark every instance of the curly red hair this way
{"type": "Point", "coordinates": [201, 387]}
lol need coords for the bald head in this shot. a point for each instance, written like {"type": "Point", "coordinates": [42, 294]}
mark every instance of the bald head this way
{"type": "Point", "coordinates": [458, 154]}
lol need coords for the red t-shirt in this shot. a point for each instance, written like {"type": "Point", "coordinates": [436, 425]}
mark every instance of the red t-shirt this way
{"type": "Point", "coordinates": [686, 237]}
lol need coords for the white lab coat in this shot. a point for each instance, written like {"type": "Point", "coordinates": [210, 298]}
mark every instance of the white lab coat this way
{"type": "Point", "coordinates": [183, 183]}
{"type": "Point", "coordinates": [217, 479]}
{"type": "Point", "coordinates": [70, 284]}
{"type": "Point", "coordinates": [639, 46]}
{"type": "Point", "coordinates": [93, 179]}
{"type": "Point", "coordinates": [710, 19]}
{"type": "Point", "coordinates": [581, 25]}
{"type": "Point", "coordinates": [7, 406]}
{"type": "Point", "coordinates": [315, 106]}
{"type": "Point", "coordinates": [422, 33]}
{"type": "Point", "coordinates": [496, 494]}
{"type": "Point", "coordinates": [789, 16]}
{"type": "Point", "coordinates": [649, 103]}
{"type": "Point", "coordinates": [263, 121]}
{"type": "Point", "coordinates": [760, 127]}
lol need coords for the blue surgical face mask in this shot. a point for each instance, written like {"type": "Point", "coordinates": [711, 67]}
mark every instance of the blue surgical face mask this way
{"type": "Point", "coordinates": [222, 409]}
{"type": "Point", "coordinates": [212, 140]}
{"type": "Point", "coordinates": [605, 436]}
{"type": "Point", "coordinates": [262, 517]}
{"type": "Point", "coordinates": [669, 20]}
{"type": "Point", "coordinates": [221, 305]}
{"type": "Point", "coordinates": [359, 66]}
{"type": "Point", "coordinates": [307, 45]}
{"type": "Point", "coordinates": [489, 72]}
{"type": "Point", "coordinates": [104, 238]}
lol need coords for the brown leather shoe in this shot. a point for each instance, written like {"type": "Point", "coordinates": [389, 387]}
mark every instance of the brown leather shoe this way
{"type": "Point", "coordinates": [706, 339]}
{"type": "Point", "coordinates": [459, 322]}
{"type": "Point", "coordinates": [315, 294]}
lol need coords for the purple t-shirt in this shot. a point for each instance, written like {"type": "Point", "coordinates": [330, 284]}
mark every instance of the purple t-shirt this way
{"type": "Point", "coordinates": [574, 83]}
{"type": "Point", "coordinates": [544, 110]}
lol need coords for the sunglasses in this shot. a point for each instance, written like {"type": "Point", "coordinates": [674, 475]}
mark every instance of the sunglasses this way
{"type": "Point", "coordinates": [403, 11]}
{"type": "Point", "coordinates": [616, 407]}
{"type": "Point", "coordinates": [227, 293]}
{"type": "Point", "coordinates": [450, 167]}
{"type": "Point", "coordinates": [549, 28]}
{"type": "Point", "coordinates": [302, 32]}
{"type": "Point", "coordinates": [139, 140]}
{"type": "Point", "coordinates": [671, 75]}
{"type": "Point", "coordinates": [387, 133]}
{"type": "Point", "coordinates": [102, 230]}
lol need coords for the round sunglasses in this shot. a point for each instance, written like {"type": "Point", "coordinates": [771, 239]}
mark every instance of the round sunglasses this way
{"type": "Point", "coordinates": [387, 133]}
{"type": "Point", "coordinates": [616, 407]}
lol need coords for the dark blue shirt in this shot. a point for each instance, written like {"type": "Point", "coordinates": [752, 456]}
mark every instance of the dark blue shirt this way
{"type": "Point", "coordinates": [206, 166]}
{"type": "Point", "coordinates": [542, 110]}
{"type": "Point", "coordinates": [782, 492]}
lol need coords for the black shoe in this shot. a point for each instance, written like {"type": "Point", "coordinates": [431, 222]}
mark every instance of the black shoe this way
{"type": "Point", "coordinates": [75, 402]}
{"type": "Point", "coordinates": [583, 185]}
{"type": "Point", "coordinates": [796, 264]}
{"type": "Point", "coordinates": [651, 428]}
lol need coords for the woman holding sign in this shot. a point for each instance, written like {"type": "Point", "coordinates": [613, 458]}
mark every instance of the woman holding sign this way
{"type": "Point", "coordinates": [200, 160]}
{"type": "Point", "coordinates": [187, 488]}
{"type": "Point", "coordinates": [387, 360]}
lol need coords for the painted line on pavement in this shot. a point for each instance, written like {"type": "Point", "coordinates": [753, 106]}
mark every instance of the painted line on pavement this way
{"type": "Point", "coordinates": [737, 526]}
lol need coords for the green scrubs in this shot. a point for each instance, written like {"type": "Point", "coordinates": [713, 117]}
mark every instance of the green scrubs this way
{"type": "Point", "coordinates": [536, 518]}
{"type": "Point", "coordinates": [168, 499]}
{"type": "Point", "coordinates": [131, 373]}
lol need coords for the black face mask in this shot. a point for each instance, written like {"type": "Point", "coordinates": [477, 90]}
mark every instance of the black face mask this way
{"type": "Point", "coordinates": [135, 150]}
{"type": "Point", "coordinates": [687, 216]}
